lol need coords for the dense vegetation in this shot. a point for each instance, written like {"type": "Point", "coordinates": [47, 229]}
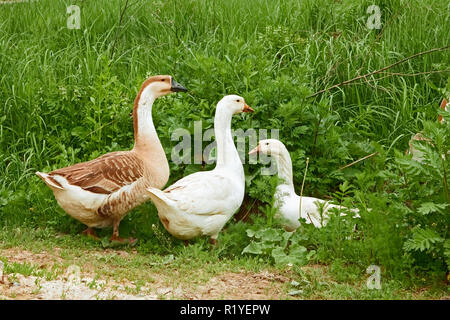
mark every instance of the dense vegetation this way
{"type": "Point", "coordinates": [66, 96]}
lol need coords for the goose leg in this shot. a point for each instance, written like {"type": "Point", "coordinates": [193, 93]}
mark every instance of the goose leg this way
{"type": "Point", "coordinates": [90, 232]}
{"type": "Point", "coordinates": [115, 235]}
{"type": "Point", "coordinates": [213, 241]}
{"type": "Point", "coordinates": [186, 243]}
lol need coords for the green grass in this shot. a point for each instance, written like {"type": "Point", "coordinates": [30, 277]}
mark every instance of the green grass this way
{"type": "Point", "coordinates": [336, 281]}
{"type": "Point", "coordinates": [65, 98]}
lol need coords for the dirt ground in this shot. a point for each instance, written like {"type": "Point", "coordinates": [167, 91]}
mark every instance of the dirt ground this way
{"type": "Point", "coordinates": [69, 282]}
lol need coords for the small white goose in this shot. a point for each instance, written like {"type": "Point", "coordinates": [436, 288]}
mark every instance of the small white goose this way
{"type": "Point", "coordinates": [201, 203]}
{"type": "Point", "coordinates": [286, 201]}
{"type": "Point", "coordinates": [100, 192]}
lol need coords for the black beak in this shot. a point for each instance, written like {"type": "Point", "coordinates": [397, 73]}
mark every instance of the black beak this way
{"type": "Point", "coordinates": [176, 87]}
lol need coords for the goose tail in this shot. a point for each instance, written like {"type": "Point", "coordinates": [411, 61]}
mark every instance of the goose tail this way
{"type": "Point", "coordinates": [49, 181]}
{"type": "Point", "coordinates": [159, 198]}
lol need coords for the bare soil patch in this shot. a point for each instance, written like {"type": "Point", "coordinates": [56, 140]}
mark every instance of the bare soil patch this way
{"type": "Point", "coordinates": [245, 285]}
{"type": "Point", "coordinates": [43, 259]}
{"type": "Point", "coordinates": [70, 283]}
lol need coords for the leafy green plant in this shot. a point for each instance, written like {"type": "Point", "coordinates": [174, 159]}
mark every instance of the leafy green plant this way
{"type": "Point", "coordinates": [275, 243]}
{"type": "Point", "coordinates": [427, 191]}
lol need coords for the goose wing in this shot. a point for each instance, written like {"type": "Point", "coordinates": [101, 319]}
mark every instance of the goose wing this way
{"type": "Point", "coordinates": [105, 174]}
{"type": "Point", "coordinates": [202, 193]}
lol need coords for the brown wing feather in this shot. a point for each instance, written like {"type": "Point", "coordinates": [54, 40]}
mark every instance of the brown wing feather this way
{"type": "Point", "coordinates": [106, 173]}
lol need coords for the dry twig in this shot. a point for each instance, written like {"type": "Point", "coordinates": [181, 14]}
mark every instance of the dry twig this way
{"type": "Point", "coordinates": [346, 82]}
{"type": "Point", "coordinates": [355, 162]}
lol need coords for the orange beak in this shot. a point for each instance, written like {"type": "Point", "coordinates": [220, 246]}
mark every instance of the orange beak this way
{"type": "Point", "coordinates": [255, 150]}
{"type": "Point", "coordinates": [247, 108]}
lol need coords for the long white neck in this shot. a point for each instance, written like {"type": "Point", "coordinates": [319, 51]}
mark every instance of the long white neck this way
{"type": "Point", "coordinates": [227, 155]}
{"type": "Point", "coordinates": [284, 164]}
{"type": "Point", "coordinates": [145, 132]}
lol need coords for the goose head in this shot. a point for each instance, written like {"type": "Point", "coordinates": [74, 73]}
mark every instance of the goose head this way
{"type": "Point", "coordinates": [234, 104]}
{"type": "Point", "coordinates": [160, 85]}
{"type": "Point", "coordinates": [271, 147]}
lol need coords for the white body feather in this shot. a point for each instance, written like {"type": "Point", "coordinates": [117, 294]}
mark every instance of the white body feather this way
{"type": "Point", "coordinates": [199, 204]}
{"type": "Point", "coordinates": [287, 202]}
{"type": "Point", "coordinates": [203, 202]}
{"type": "Point", "coordinates": [79, 203]}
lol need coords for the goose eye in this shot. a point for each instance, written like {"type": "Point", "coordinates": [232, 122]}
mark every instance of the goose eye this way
{"type": "Point", "coordinates": [238, 100]}
{"type": "Point", "coordinates": [267, 143]}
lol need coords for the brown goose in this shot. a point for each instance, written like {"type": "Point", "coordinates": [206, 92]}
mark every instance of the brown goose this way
{"type": "Point", "coordinates": [417, 154]}
{"type": "Point", "coordinates": [100, 192]}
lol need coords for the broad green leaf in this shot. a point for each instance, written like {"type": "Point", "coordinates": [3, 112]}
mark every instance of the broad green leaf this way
{"type": "Point", "coordinates": [297, 250]}
{"type": "Point", "coordinates": [250, 233]}
{"type": "Point", "coordinates": [253, 248]}
{"type": "Point", "coordinates": [296, 256]}
{"type": "Point", "coordinates": [270, 235]}
{"type": "Point", "coordinates": [280, 256]}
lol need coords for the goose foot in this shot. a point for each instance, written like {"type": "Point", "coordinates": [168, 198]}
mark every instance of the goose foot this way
{"type": "Point", "coordinates": [116, 238]}
{"type": "Point", "coordinates": [90, 232]}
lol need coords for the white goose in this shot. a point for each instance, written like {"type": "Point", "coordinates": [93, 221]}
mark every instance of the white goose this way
{"type": "Point", "coordinates": [201, 203]}
{"type": "Point", "coordinates": [286, 201]}
{"type": "Point", "coordinates": [100, 192]}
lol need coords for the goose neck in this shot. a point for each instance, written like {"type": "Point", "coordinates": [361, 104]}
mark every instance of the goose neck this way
{"type": "Point", "coordinates": [147, 144]}
{"type": "Point", "coordinates": [144, 129]}
{"type": "Point", "coordinates": [227, 155]}
{"type": "Point", "coordinates": [284, 165]}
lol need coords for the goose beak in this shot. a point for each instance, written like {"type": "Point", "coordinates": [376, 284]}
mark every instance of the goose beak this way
{"type": "Point", "coordinates": [176, 87]}
{"type": "Point", "coordinates": [247, 108]}
{"type": "Point", "coordinates": [255, 150]}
